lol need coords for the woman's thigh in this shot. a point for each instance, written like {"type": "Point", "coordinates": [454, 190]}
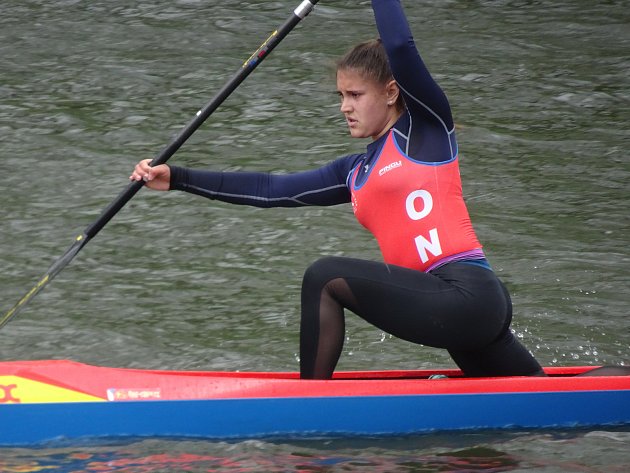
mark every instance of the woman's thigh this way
{"type": "Point", "coordinates": [459, 308]}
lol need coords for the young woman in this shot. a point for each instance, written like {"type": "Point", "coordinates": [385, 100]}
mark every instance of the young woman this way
{"type": "Point", "coordinates": [435, 286]}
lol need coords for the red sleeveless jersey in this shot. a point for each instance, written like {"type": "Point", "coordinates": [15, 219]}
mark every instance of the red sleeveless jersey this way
{"type": "Point", "coordinates": [415, 210]}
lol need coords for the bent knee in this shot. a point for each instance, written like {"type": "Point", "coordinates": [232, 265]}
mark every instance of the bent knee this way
{"type": "Point", "coordinates": [322, 271]}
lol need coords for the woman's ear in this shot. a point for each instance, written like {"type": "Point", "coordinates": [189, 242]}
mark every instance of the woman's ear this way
{"type": "Point", "coordinates": [392, 91]}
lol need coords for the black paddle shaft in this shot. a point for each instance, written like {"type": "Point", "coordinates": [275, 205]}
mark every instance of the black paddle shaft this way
{"type": "Point", "coordinates": [201, 116]}
{"type": "Point", "coordinates": [121, 200]}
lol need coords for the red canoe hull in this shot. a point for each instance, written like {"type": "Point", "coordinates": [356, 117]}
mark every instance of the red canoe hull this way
{"type": "Point", "coordinates": [44, 400]}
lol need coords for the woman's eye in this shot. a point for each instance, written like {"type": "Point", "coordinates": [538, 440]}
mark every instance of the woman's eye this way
{"type": "Point", "coordinates": [352, 95]}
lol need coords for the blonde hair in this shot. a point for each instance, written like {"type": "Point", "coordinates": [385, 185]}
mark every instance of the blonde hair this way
{"type": "Point", "coordinates": [370, 60]}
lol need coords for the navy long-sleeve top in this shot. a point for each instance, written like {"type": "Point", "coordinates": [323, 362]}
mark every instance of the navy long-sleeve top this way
{"type": "Point", "coordinates": [424, 132]}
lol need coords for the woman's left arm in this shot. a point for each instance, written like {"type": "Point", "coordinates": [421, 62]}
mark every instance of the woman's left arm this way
{"type": "Point", "coordinates": [421, 91]}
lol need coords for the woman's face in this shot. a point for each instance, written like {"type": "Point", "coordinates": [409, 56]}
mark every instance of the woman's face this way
{"type": "Point", "coordinates": [369, 107]}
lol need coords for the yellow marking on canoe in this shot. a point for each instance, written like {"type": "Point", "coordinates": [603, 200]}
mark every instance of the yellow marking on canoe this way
{"type": "Point", "coordinates": [15, 389]}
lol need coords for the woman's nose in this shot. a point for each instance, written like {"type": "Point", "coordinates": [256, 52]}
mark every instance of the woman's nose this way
{"type": "Point", "coordinates": [345, 106]}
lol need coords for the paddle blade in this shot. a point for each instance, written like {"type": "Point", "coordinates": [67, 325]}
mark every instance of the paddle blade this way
{"type": "Point", "coordinates": [57, 266]}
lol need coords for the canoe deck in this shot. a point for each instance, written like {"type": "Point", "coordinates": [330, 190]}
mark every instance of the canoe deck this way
{"type": "Point", "coordinates": [68, 381]}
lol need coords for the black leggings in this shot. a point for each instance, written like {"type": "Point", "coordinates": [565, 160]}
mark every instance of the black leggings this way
{"type": "Point", "coordinates": [461, 307]}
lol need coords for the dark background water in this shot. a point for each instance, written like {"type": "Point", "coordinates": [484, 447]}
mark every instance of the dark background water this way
{"type": "Point", "coordinates": [539, 91]}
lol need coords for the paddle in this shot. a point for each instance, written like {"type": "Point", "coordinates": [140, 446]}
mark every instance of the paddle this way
{"type": "Point", "coordinates": [119, 202]}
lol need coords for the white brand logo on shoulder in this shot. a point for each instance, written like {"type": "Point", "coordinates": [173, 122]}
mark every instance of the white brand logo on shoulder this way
{"type": "Point", "coordinates": [389, 167]}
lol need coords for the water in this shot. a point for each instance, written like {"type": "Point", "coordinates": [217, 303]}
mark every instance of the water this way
{"type": "Point", "coordinates": [474, 452]}
{"type": "Point", "coordinates": [540, 97]}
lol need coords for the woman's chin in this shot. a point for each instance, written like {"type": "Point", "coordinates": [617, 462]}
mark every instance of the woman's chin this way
{"type": "Point", "coordinates": [355, 133]}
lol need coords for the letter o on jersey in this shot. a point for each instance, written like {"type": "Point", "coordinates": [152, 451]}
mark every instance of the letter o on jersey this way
{"type": "Point", "coordinates": [427, 204]}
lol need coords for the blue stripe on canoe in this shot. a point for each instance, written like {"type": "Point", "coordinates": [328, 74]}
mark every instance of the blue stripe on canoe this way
{"type": "Point", "coordinates": [334, 416]}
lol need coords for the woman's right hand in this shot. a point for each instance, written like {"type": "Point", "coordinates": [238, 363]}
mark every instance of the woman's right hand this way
{"type": "Point", "coordinates": [157, 178]}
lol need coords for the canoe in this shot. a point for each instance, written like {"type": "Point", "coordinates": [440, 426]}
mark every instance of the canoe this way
{"type": "Point", "coordinates": [42, 401]}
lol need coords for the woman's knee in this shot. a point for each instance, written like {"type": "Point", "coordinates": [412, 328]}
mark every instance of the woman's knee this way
{"type": "Point", "coordinates": [320, 272]}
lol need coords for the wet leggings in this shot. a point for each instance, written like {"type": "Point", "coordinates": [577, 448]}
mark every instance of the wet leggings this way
{"type": "Point", "coordinates": [461, 307]}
